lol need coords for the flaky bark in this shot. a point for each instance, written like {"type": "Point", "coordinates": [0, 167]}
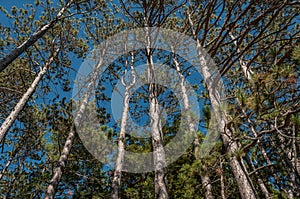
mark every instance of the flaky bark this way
{"type": "Point", "coordinates": [248, 75]}
{"type": "Point", "coordinates": [12, 55]}
{"type": "Point", "coordinates": [22, 102]}
{"type": "Point", "coordinates": [243, 181]}
{"type": "Point", "coordinates": [222, 182]}
{"type": "Point", "coordinates": [116, 182]}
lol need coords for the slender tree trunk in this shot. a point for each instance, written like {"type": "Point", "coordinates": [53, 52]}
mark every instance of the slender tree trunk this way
{"type": "Point", "coordinates": [222, 182]}
{"type": "Point", "coordinates": [22, 102]}
{"type": "Point", "coordinates": [204, 178]}
{"type": "Point", "coordinates": [243, 181]}
{"type": "Point", "coordinates": [259, 180]}
{"type": "Point", "coordinates": [10, 188]}
{"type": "Point", "coordinates": [261, 183]}
{"type": "Point", "coordinates": [12, 55]}
{"type": "Point", "coordinates": [12, 156]}
{"type": "Point", "coordinates": [116, 182]}
{"type": "Point", "coordinates": [248, 74]}
{"type": "Point", "coordinates": [288, 162]}
{"type": "Point", "coordinates": [161, 190]}
{"type": "Point", "coordinates": [51, 190]}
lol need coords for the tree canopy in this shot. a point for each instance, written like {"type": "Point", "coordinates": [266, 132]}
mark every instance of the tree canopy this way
{"type": "Point", "coordinates": [242, 104]}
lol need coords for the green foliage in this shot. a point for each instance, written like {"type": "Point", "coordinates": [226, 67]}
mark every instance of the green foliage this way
{"type": "Point", "coordinates": [262, 112]}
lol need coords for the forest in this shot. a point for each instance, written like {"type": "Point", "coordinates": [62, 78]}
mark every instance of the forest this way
{"type": "Point", "coordinates": [149, 99]}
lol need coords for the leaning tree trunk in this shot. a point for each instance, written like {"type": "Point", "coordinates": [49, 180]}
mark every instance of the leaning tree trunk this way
{"type": "Point", "coordinates": [22, 102]}
{"type": "Point", "coordinates": [248, 75]}
{"type": "Point", "coordinates": [51, 189]}
{"type": "Point", "coordinates": [12, 55]}
{"type": "Point", "coordinates": [204, 177]}
{"type": "Point", "coordinates": [244, 183]}
{"type": "Point", "coordinates": [116, 182]}
{"type": "Point", "coordinates": [160, 181]}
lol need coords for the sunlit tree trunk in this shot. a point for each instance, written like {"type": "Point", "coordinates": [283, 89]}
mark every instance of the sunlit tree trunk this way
{"type": "Point", "coordinates": [116, 182]}
{"type": "Point", "coordinates": [51, 189]}
{"type": "Point", "coordinates": [160, 181]}
{"type": "Point", "coordinates": [22, 102]}
{"type": "Point", "coordinates": [12, 55]}
{"type": "Point", "coordinates": [204, 178]}
{"type": "Point", "coordinates": [241, 175]}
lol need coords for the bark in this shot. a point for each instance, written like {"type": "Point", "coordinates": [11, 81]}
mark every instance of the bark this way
{"type": "Point", "coordinates": [241, 175]}
{"type": "Point", "coordinates": [295, 160]}
{"type": "Point", "coordinates": [260, 182]}
{"type": "Point", "coordinates": [207, 185]}
{"type": "Point", "coordinates": [248, 74]}
{"type": "Point", "coordinates": [51, 189]}
{"type": "Point", "coordinates": [247, 71]}
{"type": "Point", "coordinates": [161, 190]}
{"type": "Point", "coordinates": [204, 178]}
{"type": "Point", "coordinates": [288, 163]}
{"type": "Point", "coordinates": [7, 194]}
{"type": "Point", "coordinates": [12, 55]}
{"type": "Point", "coordinates": [116, 182]}
{"type": "Point", "coordinates": [222, 182]}
{"type": "Point", "coordinates": [12, 156]}
{"type": "Point", "coordinates": [22, 102]}
{"type": "Point", "coordinates": [251, 165]}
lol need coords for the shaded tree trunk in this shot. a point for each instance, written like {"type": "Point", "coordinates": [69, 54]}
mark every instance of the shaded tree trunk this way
{"type": "Point", "coordinates": [222, 182]}
{"type": "Point", "coordinates": [248, 74]}
{"type": "Point", "coordinates": [260, 182]}
{"type": "Point", "coordinates": [51, 190]}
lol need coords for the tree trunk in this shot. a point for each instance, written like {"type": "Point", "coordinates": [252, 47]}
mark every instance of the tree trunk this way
{"type": "Point", "coordinates": [241, 175]}
{"type": "Point", "coordinates": [12, 156]}
{"type": "Point", "coordinates": [116, 182]}
{"type": "Point", "coordinates": [204, 178]}
{"type": "Point", "coordinates": [12, 55]}
{"type": "Point", "coordinates": [248, 74]}
{"type": "Point", "coordinates": [51, 190]}
{"type": "Point", "coordinates": [161, 190]}
{"type": "Point", "coordinates": [259, 180]}
{"type": "Point", "coordinates": [222, 182]}
{"type": "Point", "coordinates": [22, 102]}
{"type": "Point", "coordinates": [251, 165]}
